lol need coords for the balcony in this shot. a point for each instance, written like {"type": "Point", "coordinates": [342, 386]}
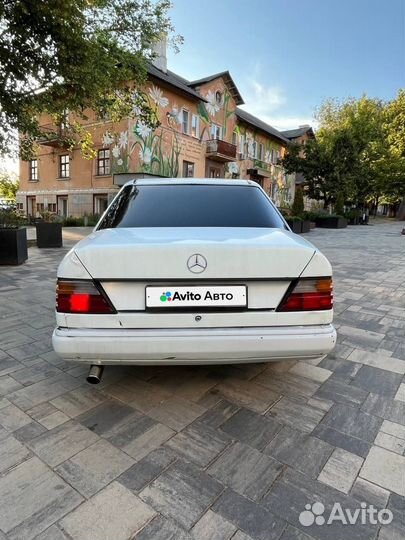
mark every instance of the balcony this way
{"type": "Point", "coordinates": [55, 136]}
{"type": "Point", "coordinates": [219, 150]}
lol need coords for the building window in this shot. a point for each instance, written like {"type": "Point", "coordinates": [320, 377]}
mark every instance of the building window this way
{"type": "Point", "coordinates": [216, 131]}
{"type": "Point", "coordinates": [20, 206]}
{"type": "Point", "coordinates": [40, 208]}
{"type": "Point", "coordinates": [100, 204]}
{"type": "Point", "coordinates": [188, 169]}
{"type": "Point", "coordinates": [254, 149]}
{"type": "Point", "coordinates": [52, 207]}
{"type": "Point", "coordinates": [103, 162]}
{"type": "Point", "coordinates": [218, 97]}
{"type": "Point", "coordinates": [242, 145]}
{"type": "Point", "coordinates": [261, 151]}
{"type": "Point", "coordinates": [33, 170]}
{"type": "Point", "coordinates": [64, 169]}
{"type": "Point", "coordinates": [185, 121]}
{"type": "Point", "coordinates": [234, 138]}
{"type": "Point", "coordinates": [195, 126]}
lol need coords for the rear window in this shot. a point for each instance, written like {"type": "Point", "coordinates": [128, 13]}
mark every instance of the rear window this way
{"type": "Point", "coordinates": [191, 206]}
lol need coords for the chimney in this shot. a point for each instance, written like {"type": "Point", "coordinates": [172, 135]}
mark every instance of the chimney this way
{"type": "Point", "coordinates": [159, 49]}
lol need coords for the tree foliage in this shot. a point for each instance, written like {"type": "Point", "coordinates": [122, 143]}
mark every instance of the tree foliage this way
{"type": "Point", "coordinates": [8, 186]}
{"type": "Point", "coordinates": [68, 55]}
{"type": "Point", "coordinates": [359, 151]}
{"type": "Point", "coordinates": [298, 203]}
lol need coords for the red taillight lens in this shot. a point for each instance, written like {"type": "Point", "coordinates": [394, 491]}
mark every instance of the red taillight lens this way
{"type": "Point", "coordinates": [309, 295]}
{"type": "Point", "coordinates": [81, 297]}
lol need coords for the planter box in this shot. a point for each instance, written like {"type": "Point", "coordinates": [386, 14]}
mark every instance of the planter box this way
{"type": "Point", "coordinates": [295, 226]}
{"type": "Point", "coordinates": [312, 224]}
{"type": "Point", "coordinates": [305, 225]}
{"type": "Point", "coordinates": [13, 246]}
{"type": "Point", "coordinates": [332, 222]}
{"type": "Point", "coordinates": [49, 235]}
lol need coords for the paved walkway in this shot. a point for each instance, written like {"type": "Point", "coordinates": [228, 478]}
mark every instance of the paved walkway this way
{"type": "Point", "coordinates": [208, 452]}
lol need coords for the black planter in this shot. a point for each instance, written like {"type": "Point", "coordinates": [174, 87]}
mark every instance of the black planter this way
{"type": "Point", "coordinates": [295, 226]}
{"type": "Point", "coordinates": [49, 235]}
{"type": "Point", "coordinates": [331, 222]}
{"type": "Point", "coordinates": [13, 246]}
{"type": "Point", "coordinates": [305, 225]}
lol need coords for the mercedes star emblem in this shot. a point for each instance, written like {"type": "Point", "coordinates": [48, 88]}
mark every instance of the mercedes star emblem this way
{"type": "Point", "coordinates": [197, 263]}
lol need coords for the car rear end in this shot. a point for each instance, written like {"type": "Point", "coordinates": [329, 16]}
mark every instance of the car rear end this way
{"type": "Point", "coordinates": [193, 294]}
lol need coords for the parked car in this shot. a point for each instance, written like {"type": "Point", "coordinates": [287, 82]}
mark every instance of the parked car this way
{"type": "Point", "coordinates": [187, 271]}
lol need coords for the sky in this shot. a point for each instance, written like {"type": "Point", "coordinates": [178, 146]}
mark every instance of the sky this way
{"type": "Point", "coordinates": [287, 56]}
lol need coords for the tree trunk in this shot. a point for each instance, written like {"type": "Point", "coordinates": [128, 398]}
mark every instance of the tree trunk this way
{"type": "Point", "coordinates": [401, 210]}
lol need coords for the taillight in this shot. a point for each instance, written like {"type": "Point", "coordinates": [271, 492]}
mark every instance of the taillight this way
{"type": "Point", "coordinates": [80, 296]}
{"type": "Point", "coordinates": [309, 295]}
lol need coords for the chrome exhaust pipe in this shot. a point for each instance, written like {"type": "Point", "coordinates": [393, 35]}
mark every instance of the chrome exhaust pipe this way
{"type": "Point", "coordinates": [95, 374]}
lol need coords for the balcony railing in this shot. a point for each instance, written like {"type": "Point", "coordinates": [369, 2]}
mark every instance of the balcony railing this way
{"type": "Point", "coordinates": [55, 136]}
{"type": "Point", "coordinates": [220, 150]}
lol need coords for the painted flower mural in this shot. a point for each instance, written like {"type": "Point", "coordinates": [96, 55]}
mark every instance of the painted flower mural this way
{"type": "Point", "coordinates": [143, 130]}
{"type": "Point", "coordinates": [157, 97]}
{"type": "Point", "coordinates": [107, 139]}
{"type": "Point", "coordinates": [116, 151]}
{"type": "Point", "coordinates": [212, 105]}
{"type": "Point", "coordinates": [123, 139]}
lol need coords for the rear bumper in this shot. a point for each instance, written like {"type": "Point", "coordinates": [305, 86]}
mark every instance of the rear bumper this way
{"type": "Point", "coordinates": [191, 346]}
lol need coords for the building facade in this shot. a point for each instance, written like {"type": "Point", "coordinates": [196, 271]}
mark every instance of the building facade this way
{"type": "Point", "coordinates": [203, 132]}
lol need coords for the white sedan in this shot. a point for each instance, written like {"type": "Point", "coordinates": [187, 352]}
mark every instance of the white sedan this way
{"type": "Point", "coordinates": [192, 271]}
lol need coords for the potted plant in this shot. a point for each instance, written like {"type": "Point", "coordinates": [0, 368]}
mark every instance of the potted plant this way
{"type": "Point", "coordinates": [353, 216]}
{"type": "Point", "coordinates": [49, 231]}
{"type": "Point", "coordinates": [13, 238]}
{"type": "Point", "coordinates": [297, 209]}
{"type": "Point", "coordinates": [331, 221]}
{"type": "Point", "coordinates": [295, 224]}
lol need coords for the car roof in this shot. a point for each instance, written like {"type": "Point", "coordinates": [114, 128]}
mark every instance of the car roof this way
{"type": "Point", "coordinates": [190, 181]}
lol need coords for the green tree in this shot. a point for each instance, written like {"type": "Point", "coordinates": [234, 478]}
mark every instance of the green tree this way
{"type": "Point", "coordinates": [339, 204]}
{"type": "Point", "coordinates": [8, 186]}
{"type": "Point", "coordinates": [298, 203]}
{"type": "Point", "coordinates": [69, 55]}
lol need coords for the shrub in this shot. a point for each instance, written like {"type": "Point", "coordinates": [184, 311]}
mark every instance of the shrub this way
{"type": "Point", "coordinates": [298, 204]}
{"type": "Point", "coordinates": [339, 204]}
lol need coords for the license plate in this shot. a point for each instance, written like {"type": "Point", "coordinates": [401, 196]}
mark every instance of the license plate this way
{"type": "Point", "coordinates": [180, 297]}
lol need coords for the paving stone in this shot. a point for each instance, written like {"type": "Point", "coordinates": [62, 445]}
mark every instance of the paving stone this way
{"type": "Point", "coordinates": [289, 496]}
{"type": "Point", "coordinates": [41, 411]}
{"type": "Point", "coordinates": [107, 417]}
{"type": "Point", "coordinates": [353, 422]}
{"type": "Point", "coordinates": [287, 384]}
{"type": "Point", "coordinates": [239, 535]}
{"type": "Point", "coordinates": [29, 396]}
{"type": "Point", "coordinates": [254, 520]}
{"type": "Point", "coordinates": [385, 408]}
{"type": "Point", "coordinates": [38, 372]}
{"type": "Point", "coordinates": [139, 435]}
{"type": "Point", "coordinates": [183, 493]}
{"type": "Point", "coordinates": [53, 420]}
{"type": "Point", "coordinates": [393, 429]}
{"type": "Point", "coordinates": [12, 418]}
{"type": "Point", "coordinates": [251, 428]}
{"type": "Point", "coordinates": [114, 513]}
{"type": "Point", "coordinates": [78, 401]}
{"type": "Point", "coordinates": [339, 391]}
{"type": "Point", "coordinates": [147, 469]}
{"type": "Point", "coordinates": [8, 385]}
{"type": "Point", "coordinates": [12, 453]}
{"type": "Point", "coordinates": [309, 371]}
{"type": "Point", "coordinates": [29, 431]}
{"type": "Point", "coordinates": [212, 526]}
{"type": "Point", "coordinates": [62, 442]}
{"type": "Point", "coordinates": [219, 413]}
{"type": "Point", "coordinates": [247, 394]}
{"type": "Point", "coordinates": [176, 412]}
{"type": "Point", "coordinates": [163, 529]}
{"type": "Point", "coordinates": [385, 469]}
{"type": "Point", "coordinates": [199, 443]}
{"type": "Point", "coordinates": [93, 468]}
{"type": "Point", "coordinates": [246, 470]}
{"type": "Point", "coordinates": [389, 442]}
{"type": "Point", "coordinates": [400, 395]}
{"type": "Point", "coordinates": [32, 498]}
{"type": "Point", "coordinates": [53, 533]}
{"type": "Point", "coordinates": [395, 365]}
{"type": "Point", "coordinates": [299, 450]}
{"type": "Point", "coordinates": [365, 491]}
{"type": "Point", "coordinates": [296, 414]}
{"type": "Point", "coordinates": [341, 470]}
{"type": "Point", "coordinates": [8, 365]}
{"type": "Point", "coordinates": [377, 381]}
{"type": "Point", "coordinates": [291, 533]}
